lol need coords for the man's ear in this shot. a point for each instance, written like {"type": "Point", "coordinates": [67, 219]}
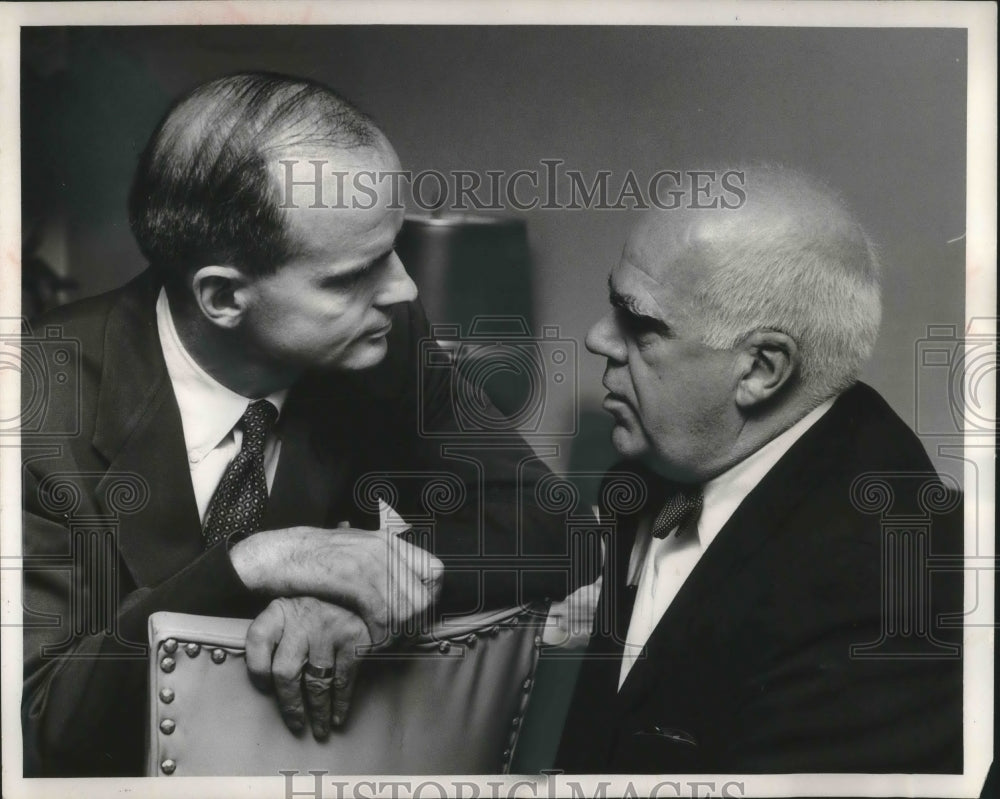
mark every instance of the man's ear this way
{"type": "Point", "coordinates": [769, 359]}
{"type": "Point", "coordinates": [220, 292]}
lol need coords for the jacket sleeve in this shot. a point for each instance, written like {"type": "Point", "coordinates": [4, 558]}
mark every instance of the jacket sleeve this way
{"type": "Point", "coordinates": [85, 648]}
{"type": "Point", "coordinates": [850, 692]}
{"type": "Point", "coordinates": [478, 502]}
{"type": "Point", "coordinates": [817, 711]}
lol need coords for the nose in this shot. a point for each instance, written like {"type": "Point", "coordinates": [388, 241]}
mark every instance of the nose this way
{"type": "Point", "coordinates": [397, 285]}
{"type": "Point", "coordinates": [603, 339]}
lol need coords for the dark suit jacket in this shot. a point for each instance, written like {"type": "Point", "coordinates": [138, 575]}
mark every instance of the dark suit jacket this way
{"type": "Point", "coordinates": [751, 667]}
{"type": "Point", "coordinates": [112, 532]}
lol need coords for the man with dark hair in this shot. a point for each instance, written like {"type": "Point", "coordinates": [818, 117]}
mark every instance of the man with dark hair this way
{"type": "Point", "coordinates": [210, 186]}
{"type": "Point", "coordinates": [761, 617]}
{"type": "Point", "coordinates": [229, 399]}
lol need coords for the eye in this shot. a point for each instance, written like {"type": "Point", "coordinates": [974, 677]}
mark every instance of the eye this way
{"type": "Point", "coordinates": [347, 280]}
{"type": "Point", "coordinates": [641, 328]}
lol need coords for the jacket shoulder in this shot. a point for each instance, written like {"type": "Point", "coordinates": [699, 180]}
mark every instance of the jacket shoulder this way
{"type": "Point", "coordinates": [85, 321]}
{"type": "Point", "coordinates": [876, 435]}
{"type": "Point", "coordinates": [63, 355]}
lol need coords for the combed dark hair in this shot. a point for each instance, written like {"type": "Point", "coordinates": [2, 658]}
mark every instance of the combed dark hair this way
{"type": "Point", "coordinates": [202, 193]}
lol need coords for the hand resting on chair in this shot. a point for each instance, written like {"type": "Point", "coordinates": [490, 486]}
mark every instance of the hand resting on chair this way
{"type": "Point", "coordinates": [337, 593]}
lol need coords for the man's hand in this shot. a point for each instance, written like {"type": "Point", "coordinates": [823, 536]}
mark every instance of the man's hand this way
{"type": "Point", "coordinates": [381, 578]}
{"type": "Point", "coordinates": [293, 632]}
{"type": "Point", "coordinates": [570, 622]}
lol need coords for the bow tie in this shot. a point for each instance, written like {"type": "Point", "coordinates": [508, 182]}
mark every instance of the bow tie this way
{"type": "Point", "coordinates": [680, 511]}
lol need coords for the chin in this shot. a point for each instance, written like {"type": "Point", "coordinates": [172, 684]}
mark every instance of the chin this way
{"type": "Point", "coordinates": [627, 442]}
{"type": "Point", "coordinates": [366, 355]}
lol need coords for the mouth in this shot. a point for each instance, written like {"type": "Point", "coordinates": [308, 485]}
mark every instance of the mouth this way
{"type": "Point", "coordinates": [379, 332]}
{"type": "Point", "coordinates": [614, 395]}
{"type": "Point", "coordinates": [615, 403]}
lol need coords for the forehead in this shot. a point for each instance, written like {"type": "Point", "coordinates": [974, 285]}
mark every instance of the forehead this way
{"type": "Point", "coordinates": [659, 267]}
{"type": "Point", "coordinates": [340, 201]}
{"type": "Point", "coordinates": [307, 175]}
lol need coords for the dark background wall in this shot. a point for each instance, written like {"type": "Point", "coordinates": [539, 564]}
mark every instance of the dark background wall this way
{"type": "Point", "coordinates": [878, 113]}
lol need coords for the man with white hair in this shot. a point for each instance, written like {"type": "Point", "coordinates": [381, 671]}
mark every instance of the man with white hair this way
{"type": "Point", "coordinates": [750, 614]}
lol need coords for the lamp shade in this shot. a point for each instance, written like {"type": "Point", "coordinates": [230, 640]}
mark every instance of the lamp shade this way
{"type": "Point", "coordinates": [468, 266]}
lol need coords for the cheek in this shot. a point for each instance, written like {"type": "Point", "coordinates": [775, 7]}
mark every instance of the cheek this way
{"type": "Point", "coordinates": [314, 312]}
{"type": "Point", "coordinates": [652, 383]}
{"type": "Point", "coordinates": [671, 396]}
{"type": "Point", "coordinates": [302, 333]}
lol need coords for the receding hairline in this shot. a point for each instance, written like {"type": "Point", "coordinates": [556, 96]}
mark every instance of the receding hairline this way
{"type": "Point", "coordinates": [781, 205]}
{"type": "Point", "coordinates": [223, 139]}
{"type": "Point", "coordinates": [794, 258]}
{"type": "Point", "coordinates": [306, 110]}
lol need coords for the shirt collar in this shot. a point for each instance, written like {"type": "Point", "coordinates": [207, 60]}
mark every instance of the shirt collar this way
{"type": "Point", "coordinates": [209, 410]}
{"type": "Point", "coordinates": [724, 493]}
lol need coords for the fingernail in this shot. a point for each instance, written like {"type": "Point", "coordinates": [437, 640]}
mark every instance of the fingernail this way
{"type": "Point", "coordinates": [295, 726]}
{"type": "Point", "coordinates": [338, 719]}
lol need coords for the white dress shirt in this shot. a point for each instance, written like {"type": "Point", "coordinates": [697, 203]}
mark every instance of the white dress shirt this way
{"type": "Point", "coordinates": [209, 413]}
{"type": "Point", "coordinates": [659, 566]}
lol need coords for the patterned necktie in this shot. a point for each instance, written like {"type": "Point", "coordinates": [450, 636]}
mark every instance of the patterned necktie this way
{"type": "Point", "coordinates": [681, 509]}
{"type": "Point", "coordinates": [238, 503]}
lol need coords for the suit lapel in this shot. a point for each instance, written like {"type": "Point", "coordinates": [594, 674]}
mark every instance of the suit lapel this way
{"type": "Point", "coordinates": [762, 512]}
{"type": "Point", "coordinates": [615, 603]}
{"type": "Point", "coordinates": [138, 429]}
{"type": "Point", "coordinates": [308, 476]}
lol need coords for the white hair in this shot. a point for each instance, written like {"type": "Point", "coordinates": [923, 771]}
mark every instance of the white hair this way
{"type": "Point", "coordinates": [800, 264]}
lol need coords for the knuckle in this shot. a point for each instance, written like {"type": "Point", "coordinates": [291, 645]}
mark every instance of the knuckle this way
{"type": "Point", "coordinates": [317, 687]}
{"type": "Point", "coordinates": [353, 625]}
{"type": "Point", "coordinates": [291, 706]}
{"type": "Point", "coordinates": [258, 635]}
{"type": "Point", "coordinates": [308, 603]}
{"type": "Point", "coordinates": [285, 672]}
{"type": "Point", "coordinates": [328, 621]}
{"type": "Point", "coordinates": [258, 667]}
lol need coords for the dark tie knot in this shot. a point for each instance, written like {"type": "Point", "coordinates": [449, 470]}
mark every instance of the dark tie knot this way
{"type": "Point", "coordinates": [682, 509]}
{"type": "Point", "coordinates": [256, 422]}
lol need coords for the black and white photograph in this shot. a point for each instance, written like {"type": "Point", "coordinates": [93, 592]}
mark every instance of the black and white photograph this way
{"type": "Point", "coordinates": [498, 400]}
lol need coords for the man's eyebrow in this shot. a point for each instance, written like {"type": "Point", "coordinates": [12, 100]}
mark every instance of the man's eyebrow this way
{"type": "Point", "coordinates": [364, 266]}
{"type": "Point", "coordinates": [385, 253]}
{"type": "Point", "coordinates": [626, 303]}
{"type": "Point", "coordinates": [380, 257]}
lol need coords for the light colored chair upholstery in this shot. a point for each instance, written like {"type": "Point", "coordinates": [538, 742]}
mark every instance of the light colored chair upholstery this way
{"type": "Point", "coordinates": [450, 703]}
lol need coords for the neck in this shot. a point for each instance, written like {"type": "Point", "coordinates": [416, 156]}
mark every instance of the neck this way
{"type": "Point", "coordinates": [226, 357]}
{"type": "Point", "coordinates": [758, 430]}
